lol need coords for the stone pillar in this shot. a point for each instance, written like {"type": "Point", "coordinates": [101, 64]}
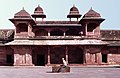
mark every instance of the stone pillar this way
{"type": "Point", "coordinates": [29, 30]}
{"type": "Point", "coordinates": [84, 56]}
{"type": "Point", "coordinates": [95, 57]}
{"type": "Point", "coordinates": [48, 61]}
{"type": "Point", "coordinates": [77, 19]}
{"type": "Point", "coordinates": [87, 57]}
{"type": "Point", "coordinates": [35, 19]}
{"type": "Point", "coordinates": [99, 59]}
{"type": "Point", "coordinates": [92, 58]}
{"type": "Point", "coordinates": [42, 19]}
{"type": "Point", "coordinates": [30, 33]}
{"type": "Point", "coordinates": [16, 59]}
{"type": "Point", "coordinates": [66, 54]}
{"type": "Point", "coordinates": [16, 28]}
{"type": "Point", "coordinates": [28, 56]}
{"type": "Point", "coordinates": [108, 59]}
{"type": "Point", "coordinates": [85, 29]}
{"type": "Point", "coordinates": [70, 19]}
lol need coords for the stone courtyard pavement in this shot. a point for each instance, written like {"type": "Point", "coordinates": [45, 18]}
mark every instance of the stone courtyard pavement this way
{"type": "Point", "coordinates": [45, 72]}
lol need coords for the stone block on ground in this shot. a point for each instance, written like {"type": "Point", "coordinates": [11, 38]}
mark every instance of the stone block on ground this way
{"type": "Point", "coordinates": [62, 68]}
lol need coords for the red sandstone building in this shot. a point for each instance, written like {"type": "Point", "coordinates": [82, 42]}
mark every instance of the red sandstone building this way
{"type": "Point", "coordinates": [36, 42]}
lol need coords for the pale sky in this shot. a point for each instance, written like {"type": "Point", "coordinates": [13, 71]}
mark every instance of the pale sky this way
{"type": "Point", "coordinates": [58, 9]}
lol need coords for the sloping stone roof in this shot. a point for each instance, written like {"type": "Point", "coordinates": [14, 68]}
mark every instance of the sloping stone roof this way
{"type": "Point", "coordinates": [92, 13]}
{"type": "Point", "coordinates": [114, 43]}
{"type": "Point", "coordinates": [57, 42]}
{"type": "Point", "coordinates": [22, 14]}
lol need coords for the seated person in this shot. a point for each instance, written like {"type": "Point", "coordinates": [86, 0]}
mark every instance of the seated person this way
{"type": "Point", "coordinates": [64, 62]}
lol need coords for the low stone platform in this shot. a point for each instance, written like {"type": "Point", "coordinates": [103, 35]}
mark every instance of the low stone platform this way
{"type": "Point", "coordinates": [62, 68]}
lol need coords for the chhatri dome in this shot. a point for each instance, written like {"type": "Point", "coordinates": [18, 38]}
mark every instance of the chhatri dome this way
{"type": "Point", "coordinates": [74, 13]}
{"type": "Point", "coordinates": [38, 13]}
{"type": "Point", "coordinates": [74, 10]}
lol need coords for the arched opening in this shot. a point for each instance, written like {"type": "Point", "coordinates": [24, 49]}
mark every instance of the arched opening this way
{"type": "Point", "coordinates": [72, 32]}
{"type": "Point", "coordinates": [41, 32]}
{"type": "Point", "coordinates": [10, 56]}
{"type": "Point", "coordinates": [91, 27]}
{"type": "Point", "coordinates": [22, 27]}
{"type": "Point", "coordinates": [56, 54]}
{"type": "Point", "coordinates": [56, 32]}
{"type": "Point", "coordinates": [39, 56]}
{"type": "Point", "coordinates": [75, 55]}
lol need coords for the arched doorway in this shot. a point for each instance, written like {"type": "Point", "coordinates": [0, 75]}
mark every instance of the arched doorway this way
{"type": "Point", "coordinates": [56, 54]}
{"type": "Point", "coordinates": [39, 56]}
{"type": "Point", "coordinates": [75, 55]}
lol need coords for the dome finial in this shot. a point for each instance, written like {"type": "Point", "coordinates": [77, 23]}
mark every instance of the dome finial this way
{"type": "Point", "coordinates": [91, 8]}
{"type": "Point", "coordinates": [73, 5]}
{"type": "Point", "coordinates": [38, 5]}
{"type": "Point", "coordinates": [23, 8]}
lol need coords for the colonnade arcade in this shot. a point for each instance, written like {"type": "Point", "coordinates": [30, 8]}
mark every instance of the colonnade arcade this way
{"type": "Point", "coordinates": [57, 32]}
{"type": "Point", "coordinates": [46, 55]}
{"type": "Point", "coordinates": [50, 55]}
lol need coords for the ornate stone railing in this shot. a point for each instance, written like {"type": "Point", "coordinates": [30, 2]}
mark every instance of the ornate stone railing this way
{"type": "Point", "coordinates": [63, 37]}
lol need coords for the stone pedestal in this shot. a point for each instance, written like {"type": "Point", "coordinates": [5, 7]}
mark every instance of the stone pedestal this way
{"type": "Point", "coordinates": [62, 68]}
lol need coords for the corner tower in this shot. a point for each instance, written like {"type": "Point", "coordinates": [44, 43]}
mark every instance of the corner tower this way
{"type": "Point", "coordinates": [91, 23]}
{"type": "Point", "coordinates": [23, 24]}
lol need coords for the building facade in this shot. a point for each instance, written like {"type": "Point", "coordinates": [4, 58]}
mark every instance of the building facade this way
{"type": "Point", "coordinates": [36, 42]}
